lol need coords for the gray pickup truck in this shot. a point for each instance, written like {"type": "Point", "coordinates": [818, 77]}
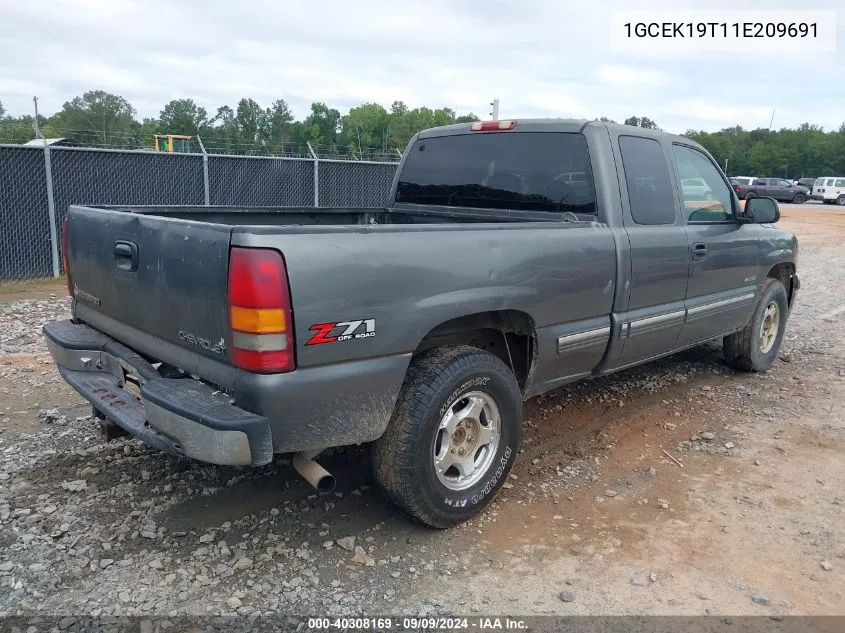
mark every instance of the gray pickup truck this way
{"type": "Point", "coordinates": [779, 189]}
{"type": "Point", "coordinates": [513, 258]}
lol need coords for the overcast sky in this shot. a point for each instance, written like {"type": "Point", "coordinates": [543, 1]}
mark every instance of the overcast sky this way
{"type": "Point", "coordinates": [539, 57]}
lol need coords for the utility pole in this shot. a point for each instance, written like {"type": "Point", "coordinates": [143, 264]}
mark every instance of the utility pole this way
{"type": "Point", "coordinates": [726, 166]}
{"type": "Point", "coordinates": [35, 122]}
{"type": "Point", "coordinates": [771, 121]}
{"type": "Point", "coordinates": [495, 112]}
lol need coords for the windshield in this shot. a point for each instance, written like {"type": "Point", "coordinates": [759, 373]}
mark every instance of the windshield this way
{"type": "Point", "coordinates": [528, 171]}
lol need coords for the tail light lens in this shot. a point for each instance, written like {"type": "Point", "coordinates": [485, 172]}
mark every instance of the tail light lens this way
{"type": "Point", "coordinates": [260, 311]}
{"type": "Point", "coordinates": [65, 258]}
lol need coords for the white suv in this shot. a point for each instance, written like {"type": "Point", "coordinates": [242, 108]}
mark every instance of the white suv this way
{"type": "Point", "coordinates": [829, 189]}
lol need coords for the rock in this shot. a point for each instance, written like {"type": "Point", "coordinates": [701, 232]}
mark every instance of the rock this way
{"type": "Point", "coordinates": [77, 485]}
{"type": "Point", "coordinates": [149, 534]}
{"type": "Point", "coordinates": [652, 577]}
{"type": "Point", "coordinates": [234, 602]}
{"type": "Point", "coordinates": [124, 596]}
{"type": "Point", "coordinates": [49, 509]}
{"type": "Point", "coordinates": [347, 543]}
{"type": "Point", "coordinates": [610, 493]}
{"type": "Point", "coordinates": [708, 436]}
{"type": "Point", "coordinates": [206, 538]}
{"type": "Point", "coordinates": [5, 567]}
{"type": "Point", "coordinates": [652, 472]}
{"type": "Point", "coordinates": [106, 562]}
{"type": "Point", "coordinates": [362, 557]}
{"type": "Point", "coordinates": [156, 564]}
{"type": "Point", "coordinates": [756, 462]}
{"type": "Point", "coordinates": [729, 444]}
{"type": "Point", "coordinates": [707, 388]}
{"type": "Point", "coordinates": [242, 563]}
{"type": "Point", "coordinates": [566, 596]}
{"type": "Point", "coordinates": [639, 580]}
{"type": "Point", "coordinates": [759, 598]}
{"type": "Point", "coordinates": [826, 565]}
{"type": "Point", "coordinates": [328, 544]}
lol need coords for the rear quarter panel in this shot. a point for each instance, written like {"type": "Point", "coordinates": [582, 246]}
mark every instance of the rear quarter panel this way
{"type": "Point", "coordinates": [411, 279]}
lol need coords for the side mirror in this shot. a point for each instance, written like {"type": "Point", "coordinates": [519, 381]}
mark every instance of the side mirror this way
{"type": "Point", "coordinates": [762, 210]}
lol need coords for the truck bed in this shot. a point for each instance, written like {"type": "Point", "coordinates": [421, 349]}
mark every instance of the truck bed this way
{"type": "Point", "coordinates": [341, 216]}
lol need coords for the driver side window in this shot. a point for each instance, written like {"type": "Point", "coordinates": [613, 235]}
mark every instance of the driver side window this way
{"type": "Point", "coordinates": [706, 197]}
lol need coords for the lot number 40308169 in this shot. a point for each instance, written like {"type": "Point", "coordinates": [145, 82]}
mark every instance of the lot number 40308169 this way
{"type": "Point", "coordinates": [338, 331]}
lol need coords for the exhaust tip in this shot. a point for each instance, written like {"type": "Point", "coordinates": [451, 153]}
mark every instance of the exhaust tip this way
{"type": "Point", "coordinates": [326, 484]}
{"type": "Point", "coordinates": [319, 478]}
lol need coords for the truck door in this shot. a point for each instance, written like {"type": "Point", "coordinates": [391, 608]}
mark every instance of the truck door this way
{"type": "Point", "coordinates": [659, 251]}
{"type": "Point", "coordinates": [724, 254]}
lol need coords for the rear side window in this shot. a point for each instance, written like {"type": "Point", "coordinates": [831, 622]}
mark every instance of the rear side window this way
{"type": "Point", "coordinates": [840, 182]}
{"type": "Point", "coordinates": [829, 182]}
{"type": "Point", "coordinates": [647, 177]}
{"type": "Point", "coordinates": [527, 171]}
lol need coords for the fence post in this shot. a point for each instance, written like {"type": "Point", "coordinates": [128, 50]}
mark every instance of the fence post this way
{"type": "Point", "coordinates": [51, 211]}
{"type": "Point", "coordinates": [206, 195]}
{"type": "Point", "coordinates": [316, 174]}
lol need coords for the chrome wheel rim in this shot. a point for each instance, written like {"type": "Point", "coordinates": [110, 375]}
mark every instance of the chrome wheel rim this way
{"type": "Point", "coordinates": [466, 441]}
{"type": "Point", "coordinates": [770, 327]}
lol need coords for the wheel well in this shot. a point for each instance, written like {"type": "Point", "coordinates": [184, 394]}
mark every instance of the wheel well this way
{"type": "Point", "coordinates": [508, 334]}
{"type": "Point", "coordinates": [783, 273]}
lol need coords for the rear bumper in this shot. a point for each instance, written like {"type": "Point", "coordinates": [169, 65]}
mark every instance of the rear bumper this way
{"type": "Point", "coordinates": [179, 416]}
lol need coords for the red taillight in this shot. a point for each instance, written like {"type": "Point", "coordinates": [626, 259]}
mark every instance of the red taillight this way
{"type": "Point", "coordinates": [489, 126]}
{"type": "Point", "coordinates": [260, 311]}
{"type": "Point", "coordinates": [821, 190]}
{"type": "Point", "coordinates": [737, 188]}
{"type": "Point", "coordinates": [65, 258]}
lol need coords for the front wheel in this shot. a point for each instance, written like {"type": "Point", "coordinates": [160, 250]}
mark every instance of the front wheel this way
{"type": "Point", "coordinates": [799, 198]}
{"type": "Point", "coordinates": [453, 437]}
{"type": "Point", "coordinates": [755, 347]}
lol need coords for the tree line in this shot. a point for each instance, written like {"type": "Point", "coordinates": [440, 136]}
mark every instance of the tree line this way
{"type": "Point", "coordinates": [102, 119]}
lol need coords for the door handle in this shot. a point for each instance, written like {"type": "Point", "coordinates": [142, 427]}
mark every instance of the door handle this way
{"type": "Point", "coordinates": [699, 251]}
{"type": "Point", "coordinates": [126, 255]}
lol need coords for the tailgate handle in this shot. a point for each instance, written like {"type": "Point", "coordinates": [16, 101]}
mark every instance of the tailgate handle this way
{"type": "Point", "coordinates": [126, 255]}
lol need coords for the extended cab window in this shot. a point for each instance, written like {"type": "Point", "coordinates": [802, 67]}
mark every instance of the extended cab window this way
{"type": "Point", "coordinates": [528, 171]}
{"type": "Point", "coordinates": [647, 176]}
{"type": "Point", "coordinates": [712, 202]}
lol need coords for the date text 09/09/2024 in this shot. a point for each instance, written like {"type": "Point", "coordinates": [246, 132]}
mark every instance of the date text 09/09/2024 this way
{"type": "Point", "coordinates": [720, 29]}
{"type": "Point", "coordinates": [416, 624]}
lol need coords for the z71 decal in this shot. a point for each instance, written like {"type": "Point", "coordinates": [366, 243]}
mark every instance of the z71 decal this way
{"type": "Point", "coordinates": [342, 331]}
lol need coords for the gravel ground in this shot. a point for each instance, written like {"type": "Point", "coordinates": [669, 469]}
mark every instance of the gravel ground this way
{"type": "Point", "coordinates": [680, 487]}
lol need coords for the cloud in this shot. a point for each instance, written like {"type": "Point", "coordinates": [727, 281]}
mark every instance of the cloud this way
{"type": "Point", "coordinates": [539, 58]}
{"type": "Point", "coordinates": [628, 76]}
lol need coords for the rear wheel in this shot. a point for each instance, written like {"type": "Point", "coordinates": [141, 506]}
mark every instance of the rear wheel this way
{"type": "Point", "coordinates": [453, 437]}
{"type": "Point", "coordinates": [750, 194]}
{"type": "Point", "coordinates": [799, 198]}
{"type": "Point", "coordinates": [841, 200]}
{"type": "Point", "coordinates": [756, 346]}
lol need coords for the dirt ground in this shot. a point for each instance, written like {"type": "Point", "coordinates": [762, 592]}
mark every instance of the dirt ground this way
{"type": "Point", "coordinates": [680, 487]}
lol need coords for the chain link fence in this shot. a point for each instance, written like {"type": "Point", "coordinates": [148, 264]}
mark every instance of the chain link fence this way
{"type": "Point", "coordinates": [38, 184]}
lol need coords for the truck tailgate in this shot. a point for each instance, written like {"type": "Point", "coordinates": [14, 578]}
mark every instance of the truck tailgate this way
{"type": "Point", "coordinates": [163, 277]}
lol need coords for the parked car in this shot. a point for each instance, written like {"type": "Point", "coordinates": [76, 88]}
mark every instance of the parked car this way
{"type": "Point", "coordinates": [740, 187]}
{"type": "Point", "coordinates": [779, 189]}
{"type": "Point", "coordinates": [805, 182]}
{"type": "Point", "coordinates": [696, 189]}
{"type": "Point", "coordinates": [830, 190]}
{"type": "Point", "coordinates": [230, 335]}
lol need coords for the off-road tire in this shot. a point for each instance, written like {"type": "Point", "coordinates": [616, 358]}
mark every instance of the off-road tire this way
{"type": "Point", "coordinates": [402, 458]}
{"type": "Point", "coordinates": [742, 349]}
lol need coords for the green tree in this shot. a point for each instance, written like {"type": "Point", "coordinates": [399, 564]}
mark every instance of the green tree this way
{"type": "Point", "coordinates": [278, 129]}
{"type": "Point", "coordinates": [97, 116]}
{"type": "Point", "coordinates": [2, 111]}
{"type": "Point", "coordinates": [366, 127]}
{"type": "Point", "coordinates": [251, 122]}
{"type": "Point", "coordinates": [643, 122]}
{"type": "Point", "coordinates": [183, 116]}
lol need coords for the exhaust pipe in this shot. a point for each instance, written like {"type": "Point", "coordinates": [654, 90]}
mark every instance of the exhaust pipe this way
{"type": "Point", "coordinates": [321, 479]}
